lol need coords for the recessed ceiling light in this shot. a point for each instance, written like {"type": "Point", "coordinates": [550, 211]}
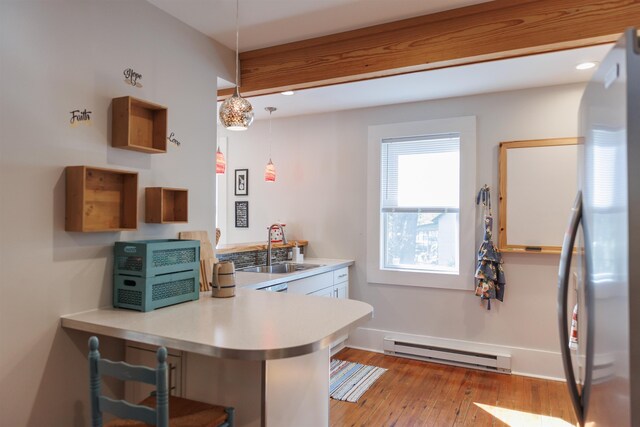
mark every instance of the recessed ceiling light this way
{"type": "Point", "coordinates": [586, 65]}
{"type": "Point", "coordinates": [287, 92]}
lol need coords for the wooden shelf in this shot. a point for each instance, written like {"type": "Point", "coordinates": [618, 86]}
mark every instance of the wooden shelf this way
{"type": "Point", "coordinates": [166, 205]}
{"type": "Point", "coordinates": [99, 199]}
{"type": "Point", "coordinates": [257, 246]}
{"type": "Point", "coordinates": [138, 125]}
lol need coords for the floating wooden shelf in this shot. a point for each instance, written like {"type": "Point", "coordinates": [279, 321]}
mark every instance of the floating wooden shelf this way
{"type": "Point", "coordinates": [138, 125]}
{"type": "Point", "coordinates": [166, 205]}
{"type": "Point", "coordinates": [100, 199]}
{"type": "Point", "coordinates": [257, 246]}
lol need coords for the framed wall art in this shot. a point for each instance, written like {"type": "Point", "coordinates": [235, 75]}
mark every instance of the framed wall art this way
{"type": "Point", "coordinates": [242, 214]}
{"type": "Point", "coordinates": [242, 182]}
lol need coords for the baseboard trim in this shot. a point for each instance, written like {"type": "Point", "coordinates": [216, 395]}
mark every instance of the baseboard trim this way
{"type": "Point", "coordinates": [524, 361]}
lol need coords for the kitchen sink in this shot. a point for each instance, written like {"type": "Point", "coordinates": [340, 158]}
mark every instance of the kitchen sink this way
{"type": "Point", "coordinates": [288, 267]}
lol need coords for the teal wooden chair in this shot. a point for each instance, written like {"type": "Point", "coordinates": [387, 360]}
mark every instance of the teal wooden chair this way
{"type": "Point", "coordinates": [159, 409]}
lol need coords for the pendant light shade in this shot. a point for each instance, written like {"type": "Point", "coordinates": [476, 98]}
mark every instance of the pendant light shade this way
{"type": "Point", "coordinates": [221, 163]}
{"type": "Point", "coordinates": [236, 113]}
{"type": "Point", "coordinates": [270, 172]}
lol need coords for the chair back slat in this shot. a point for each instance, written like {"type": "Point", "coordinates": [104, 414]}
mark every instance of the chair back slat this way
{"type": "Point", "coordinates": [158, 416]}
{"type": "Point", "coordinates": [126, 410]}
{"type": "Point", "coordinates": [127, 372]}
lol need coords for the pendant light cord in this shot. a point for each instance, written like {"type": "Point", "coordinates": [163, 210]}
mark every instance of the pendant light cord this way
{"type": "Point", "coordinates": [270, 134]}
{"type": "Point", "coordinates": [237, 45]}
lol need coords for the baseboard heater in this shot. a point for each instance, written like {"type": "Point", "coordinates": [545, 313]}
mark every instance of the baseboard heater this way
{"type": "Point", "coordinates": [468, 359]}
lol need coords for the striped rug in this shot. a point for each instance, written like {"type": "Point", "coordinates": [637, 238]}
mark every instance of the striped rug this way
{"type": "Point", "coordinates": [350, 380]}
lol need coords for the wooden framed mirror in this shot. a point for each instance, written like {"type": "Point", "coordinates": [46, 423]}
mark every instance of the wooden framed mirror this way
{"type": "Point", "coordinates": [538, 184]}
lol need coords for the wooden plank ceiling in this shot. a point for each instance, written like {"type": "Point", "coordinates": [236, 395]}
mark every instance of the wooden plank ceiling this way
{"type": "Point", "coordinates": [484, 32]}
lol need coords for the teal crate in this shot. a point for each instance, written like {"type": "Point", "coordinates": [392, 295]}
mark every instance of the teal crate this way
{"type": "Point", "coordinates": [149, 293]}
{"type": "Point", "coordinates": [148, 258]}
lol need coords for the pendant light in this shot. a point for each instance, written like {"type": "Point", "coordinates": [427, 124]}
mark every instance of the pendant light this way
{"type": "Point", "coordinates": [236, 113]}
{"type": "Point", "coordinates": [221, 163]}
{"type": "Point", "coordinates": [270, 170]}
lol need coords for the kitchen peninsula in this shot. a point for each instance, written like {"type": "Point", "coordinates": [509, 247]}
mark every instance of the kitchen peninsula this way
{"type": "Point", "coordinates": [265, 353]}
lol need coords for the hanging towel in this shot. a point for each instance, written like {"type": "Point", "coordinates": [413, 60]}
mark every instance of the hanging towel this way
{"type": "Point", "coordinates": [573, 336]}
{"type": "Point", "coordinates": [489, 272]}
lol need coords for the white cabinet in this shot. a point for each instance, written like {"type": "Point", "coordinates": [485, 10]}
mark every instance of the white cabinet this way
{"type": "Point", "coordinates": [142, 354]}
{"type": "Point", "coordinates": [332, 284]}
{"type": "Point", "coordinates": [311, 284]}
{"type": "Point", "coordinates": [341, 283]}
{"type": "Point", "coordinates": [341, 290]}
{"type": "Point", "coordinates": [326, 292]}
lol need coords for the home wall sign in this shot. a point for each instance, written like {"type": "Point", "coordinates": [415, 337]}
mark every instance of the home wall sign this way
{"type": "Point", "coordinates": [132, 78]}
{"type": "Point", "coordinates": [173, 140]}
{"type": "Point", "coordinates": [242, 214]}
{"type": "Point", "coordinates": [80, 116]}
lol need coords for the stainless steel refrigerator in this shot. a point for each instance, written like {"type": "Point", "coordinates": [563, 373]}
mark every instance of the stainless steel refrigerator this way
{"type": "Point", "coordinates": [603, 377]}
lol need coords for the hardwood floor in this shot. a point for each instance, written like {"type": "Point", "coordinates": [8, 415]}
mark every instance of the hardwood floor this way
{"type": "Point", "coordinates": [415, 393]}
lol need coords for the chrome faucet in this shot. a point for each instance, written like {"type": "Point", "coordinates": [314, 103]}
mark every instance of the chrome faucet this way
{"type": "Point", "coordinates": [284, 240]}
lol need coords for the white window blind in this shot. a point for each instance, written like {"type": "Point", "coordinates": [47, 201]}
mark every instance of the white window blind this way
{"type": "Point", "coordinates": [421, 174]}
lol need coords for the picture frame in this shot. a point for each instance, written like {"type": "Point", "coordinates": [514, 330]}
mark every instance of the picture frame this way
{"type": "Point", "coordinates": [241, 182]}
{"type": "Point", "coordinates": [242, 214]}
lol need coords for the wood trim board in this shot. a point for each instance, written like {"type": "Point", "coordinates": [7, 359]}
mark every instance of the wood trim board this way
{"type": "Point", "coordinates": [488, 31]}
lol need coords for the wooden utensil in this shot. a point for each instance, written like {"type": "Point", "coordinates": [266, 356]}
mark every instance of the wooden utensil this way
{"type": "Point", "coordinates": [208, 272]}
{"type": "Point", "coordinates": [207, 257]}
{"type": "Point", "coordinates": [204, 284]}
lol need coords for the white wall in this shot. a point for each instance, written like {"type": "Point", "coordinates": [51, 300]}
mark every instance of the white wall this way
{"type": "Point", "coordinates": [57, 56]}
{"type": "Point", "coordinates": [321, 193]}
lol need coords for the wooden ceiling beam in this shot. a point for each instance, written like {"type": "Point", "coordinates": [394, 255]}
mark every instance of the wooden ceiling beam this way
{"type": "Point", "coordinates": [488, 31]}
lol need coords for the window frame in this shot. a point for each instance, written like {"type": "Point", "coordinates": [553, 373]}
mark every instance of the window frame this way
{"type": "Point", "coordinates": [465, 127]}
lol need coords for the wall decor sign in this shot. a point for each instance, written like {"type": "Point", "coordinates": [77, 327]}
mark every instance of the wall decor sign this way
{"type": "Point", "coordinates": [132, 78]}
{"type": "Point", "coordinates": [173, 140]}
{"type": "Point", "coordinates": [242, 214]}
{"type": "Point", "coordinates": [78, 116]}
{"type": "Point", "coordinates": [242, 182]}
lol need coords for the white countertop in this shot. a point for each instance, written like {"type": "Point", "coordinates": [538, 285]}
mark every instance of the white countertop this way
{"type": "Point", "coordinates": [251, 326]}
{"type": "Point", "coordinates": [259, 280]}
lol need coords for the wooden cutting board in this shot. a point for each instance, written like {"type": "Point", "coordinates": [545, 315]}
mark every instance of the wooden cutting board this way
{"type": "Point", "coordinates": [207, 257]}
{"type": "Point", "coordinates": [203, 236]}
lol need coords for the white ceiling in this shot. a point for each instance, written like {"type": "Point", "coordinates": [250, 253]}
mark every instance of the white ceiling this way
{"type": "Point", "coordinates": [271, 22]}
{"type": "Point", "coordinates": [519, 73]}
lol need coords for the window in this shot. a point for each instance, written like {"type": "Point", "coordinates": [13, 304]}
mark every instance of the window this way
{"type": "Point", "coordinates": [420, 203]}
{"type": "Point", "coordinates": [420, 184]}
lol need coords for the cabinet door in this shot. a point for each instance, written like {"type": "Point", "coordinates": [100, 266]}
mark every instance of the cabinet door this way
{"type": "Point", "coordinates": [341, 290]}
{"type": "Point", "coordinates": [311, 284]}
{"type": "Point", "coordinates": [327, 292]}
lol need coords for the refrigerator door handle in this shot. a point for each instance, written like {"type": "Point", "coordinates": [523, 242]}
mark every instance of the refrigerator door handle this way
{"type": "Point", "coordinates": [563, 293]}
